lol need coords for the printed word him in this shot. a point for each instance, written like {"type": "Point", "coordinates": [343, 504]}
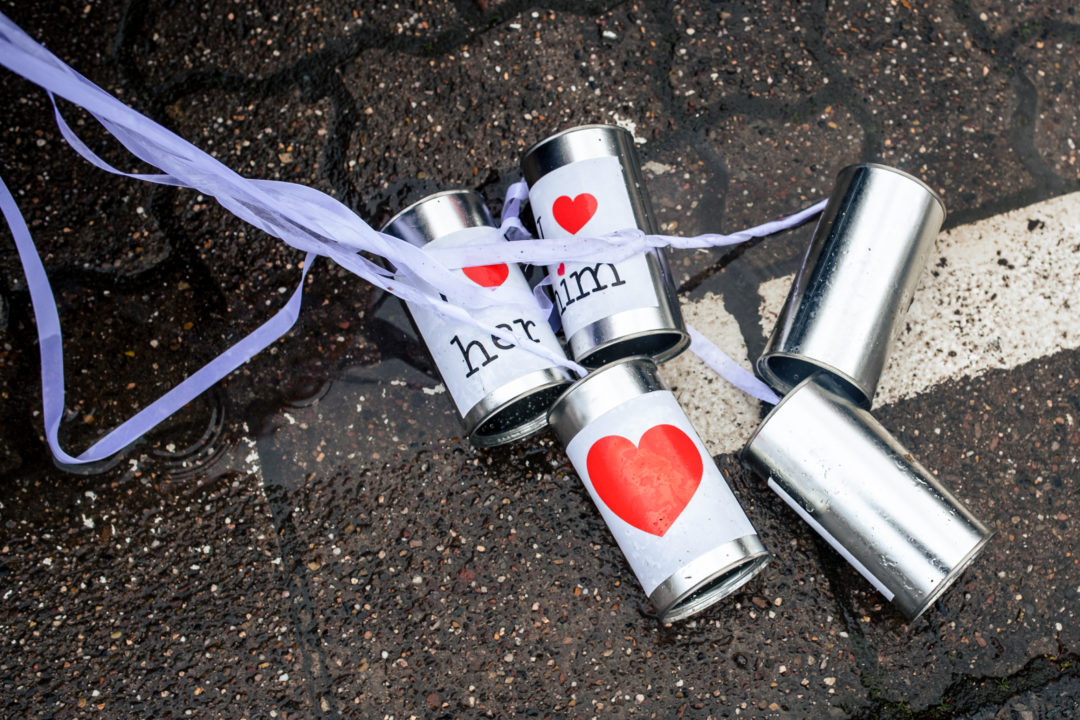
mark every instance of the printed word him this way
{"type": "Point", "coordinates": [574, 279]}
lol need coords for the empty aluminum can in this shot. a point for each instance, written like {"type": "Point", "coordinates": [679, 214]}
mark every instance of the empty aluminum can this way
{"type": "Point", "coordinates": [587, 181]}
{"type": "Point", "coordinates": [501, 391]}
{"type": "Point", "coordinates": [856, 281]}
{"type": "Point", "coordinates": [846, 476]}
{"type": "Point", "coordinates": [656, 486]}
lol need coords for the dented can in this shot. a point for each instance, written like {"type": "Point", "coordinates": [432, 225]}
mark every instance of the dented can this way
{"type": "Point", "coordinates": [863, 492]}
{"type": "Point", "coordinates": [502, 392]}
{"type": "Point", "coordinates": [672, 513]}
{"type": "Point", "coordinates": [856, 281]}
{"type": "Point", "coordinates": [587, 181]}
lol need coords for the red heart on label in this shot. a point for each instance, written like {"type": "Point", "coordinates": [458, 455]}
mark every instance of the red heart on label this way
{"type": "Point", "coordinates": [650, 485]}
{"type": "Point", "coordinates": [573, 214]}
{"type": "Point", "coordinates": [487, 275]}
{"type": "Point", "coordinates": [561, 270]}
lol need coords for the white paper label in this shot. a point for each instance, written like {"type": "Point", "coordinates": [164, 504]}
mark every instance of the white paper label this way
{"type": "Point", "coordinates": [656, 486]}
{"type": "Point", "coordinates": [588, 198]}
{"type": "Point", "coordinates": [473, 364]}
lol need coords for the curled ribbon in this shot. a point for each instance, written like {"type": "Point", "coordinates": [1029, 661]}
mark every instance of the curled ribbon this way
{"type": "Point", "coordinates": [301, 216]}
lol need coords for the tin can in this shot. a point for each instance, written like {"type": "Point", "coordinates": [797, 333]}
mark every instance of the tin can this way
{"type": "Point", "coordinates": [856, 282]}
{"type": "Point", "coordinates": [850, 480]}
{"type": "Point", "coordinates": [587, 181]}
{"type": "Point", "coordinates": [656, 486]}
{"type": "Point", "coordinates": [501, 391]}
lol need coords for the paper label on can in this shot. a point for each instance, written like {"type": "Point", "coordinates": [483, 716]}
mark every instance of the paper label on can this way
{"type": "Point", "coordinates": [589, 198]}
{"type": "Point", "coordinates": [472, 363]}
{"type": "Point", "coordinates": [656, 486]}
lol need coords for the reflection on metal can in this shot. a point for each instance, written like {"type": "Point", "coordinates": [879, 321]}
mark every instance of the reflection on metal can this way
{"type": "Point", "coordinates": [846, 476]}
{"type": "Point", "coordinates": [502, 392]}
{"type": "Point", "coordinates": [856, 281]}
{"type": "Point", "coordinates": [656, 486]}
{"type": "Point", "coordinates": [587, 181]}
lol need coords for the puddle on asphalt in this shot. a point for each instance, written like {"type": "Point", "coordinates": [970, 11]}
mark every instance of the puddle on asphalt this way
{"type": "Point", "coordinates": [195, 439]}
{"type": "Point", "coordinates": [373, 400]}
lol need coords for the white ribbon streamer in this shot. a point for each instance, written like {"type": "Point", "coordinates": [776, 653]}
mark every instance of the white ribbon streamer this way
{"type": "Point", "coordinates": [722, 364]}
{"type": "Point", "coordinates": [308, 220]}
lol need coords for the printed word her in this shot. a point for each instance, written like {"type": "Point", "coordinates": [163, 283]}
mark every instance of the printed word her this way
{"type": "Point", "coordinates": [482, 353]}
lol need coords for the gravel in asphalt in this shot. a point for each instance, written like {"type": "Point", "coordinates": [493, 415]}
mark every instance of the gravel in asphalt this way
{"type": "Point", "coordinates": [314, 537]}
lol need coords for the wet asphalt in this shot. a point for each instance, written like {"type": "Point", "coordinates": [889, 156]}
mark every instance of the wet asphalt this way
{"type": "Point", "coordinates": [314, 538]}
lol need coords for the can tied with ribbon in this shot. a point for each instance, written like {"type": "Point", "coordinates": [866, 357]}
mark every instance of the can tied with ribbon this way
{"type": "Point", "coordinates": [502, 391]}
{"type": "Point", "coordinates": [587, 181]}
{"type": "Point", "coordinates": [672, 513]}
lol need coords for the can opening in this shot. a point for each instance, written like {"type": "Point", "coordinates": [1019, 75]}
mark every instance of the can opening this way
{"type": "Point", "coordinates": [520, 418]}
{"type": "Point", "coordinates": [949, 579]}
{"type": "Point", "coordinates": [784, 372]}
{"type": "Point", "coordinates": [659, 346]}
{"type": "Point", "coordinates": [715, 588]}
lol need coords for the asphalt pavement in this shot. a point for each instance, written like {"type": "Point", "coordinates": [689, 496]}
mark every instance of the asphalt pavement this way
{"type": "Point", "coordinates": [315, 538]}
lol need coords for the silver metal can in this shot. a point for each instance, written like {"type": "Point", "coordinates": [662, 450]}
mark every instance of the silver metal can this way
{"type": "Point", "coordinates": [501, 391]}
{"type": "Point", "coordinates": [846, 476]}
{"type": "Point", "coordinates": [676, 520]}
{"type": "Point", "coordinates": [587, 181]}
{"type": "Point", "coordinates": [856, 281]}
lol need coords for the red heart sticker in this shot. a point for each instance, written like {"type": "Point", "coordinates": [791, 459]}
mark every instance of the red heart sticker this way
{"type": "Point", "coordinates": [487, 275]}
{"type": "Point", "coordinates": [650, 485]}
{"type": "Point", "coordinates": [561, 270]}
{"type": "Point", "coordinates": [573, 214]}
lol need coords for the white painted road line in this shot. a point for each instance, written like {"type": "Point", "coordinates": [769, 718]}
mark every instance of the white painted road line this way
{"type": "Point", "coordinates": [996, 293]}
{"type": "Point", "coordinates": [723, 415]}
